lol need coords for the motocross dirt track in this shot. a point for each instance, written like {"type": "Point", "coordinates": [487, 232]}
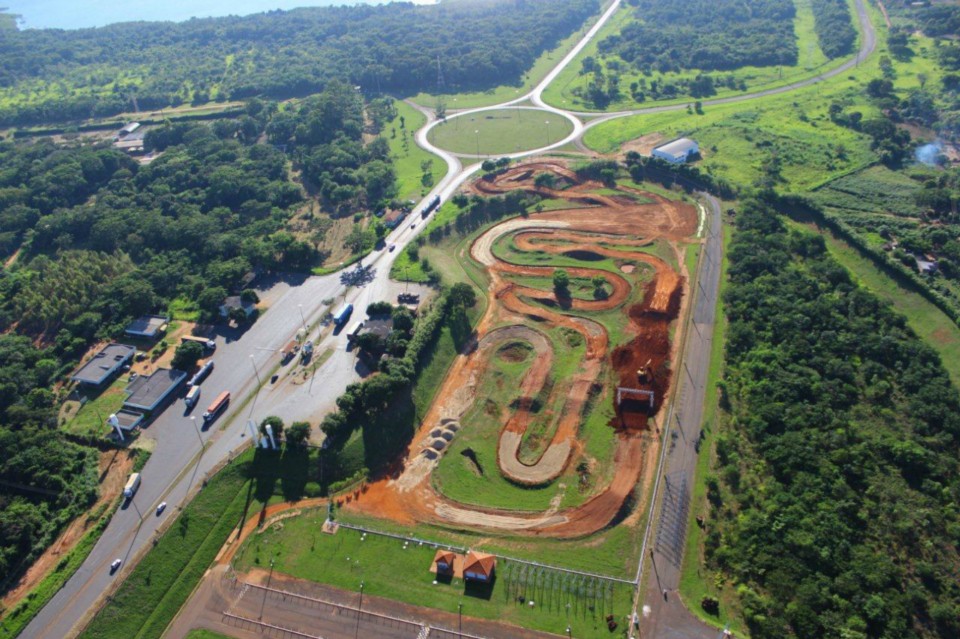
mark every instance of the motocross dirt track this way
{"type": "Point", "coordinates": [607, 226]}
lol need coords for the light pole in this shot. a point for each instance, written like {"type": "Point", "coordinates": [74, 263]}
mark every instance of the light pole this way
{"type": "Point", "coordinates": [256, 372]}
{"type": "Point", "coordinates": [359, 610]}
{"type": "Point", "coordinates": [478, 141]}
{"type": "Point", "coordinates": [548, 132]}
{"type": "Point", "coordinates": [302, 321]}
{"type": "Point", "coordinates": [460, 619]}
{"type": "Point", "coordinates": [193, 420]}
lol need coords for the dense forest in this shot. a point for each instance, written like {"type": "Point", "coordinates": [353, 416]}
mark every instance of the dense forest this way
{"type": "Point", "coordinates": [834, 490]}
{"type": "Point", "coordinates": [55, 75]}
{"type": "Point", "coordinates": [103, 239]}
{"type": "Point", "coordinates": [834, 27]}
{"type": "Point", "coordinates": [706, 34]}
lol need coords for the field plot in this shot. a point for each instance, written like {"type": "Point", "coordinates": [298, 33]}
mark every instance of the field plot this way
{"type": "Point", "coordinates": [500, 131]}
{"type": "Point", "coordinates": [541, 440]}
{"type": "Point", "coordinates": [527, 400]}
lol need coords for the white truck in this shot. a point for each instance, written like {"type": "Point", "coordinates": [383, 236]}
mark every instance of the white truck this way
{"type": "Point", "coordinates": [132, 485]}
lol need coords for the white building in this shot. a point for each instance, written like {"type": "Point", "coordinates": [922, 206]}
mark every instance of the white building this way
{"type": "Point", "coordinates": [678, 151]}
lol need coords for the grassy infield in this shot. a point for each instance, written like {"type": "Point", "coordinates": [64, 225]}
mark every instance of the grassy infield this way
{"type": "Point", "coordinates": [144, 605]}
{"type": "Point", "coordinates": [500, 131]}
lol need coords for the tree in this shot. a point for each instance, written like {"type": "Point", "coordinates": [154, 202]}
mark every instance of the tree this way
{"type": "Point", "coordinates": [462, 294]}
{"type": "Point", "coordinates": [369, 342]}
{"type": "Point", "coordinates": [298, 434]}
{"type": "Point", "coordinates": [599, 287]}
{"type": "Point", "coordinates": [187, 355]}
{"type": "Point", "coordinates": [238, 315]}
{"type": "Point", "coordinates": [249, 296]}
{"type": "Point", "coordinates": [561, 282]}
{"type": "Point", "coordinates": [276, 425]}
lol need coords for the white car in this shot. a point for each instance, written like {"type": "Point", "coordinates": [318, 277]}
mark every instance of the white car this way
{"type": "Point", "coordinates": [161, 507]}
{"type": "Point", "coordinates": [114, 566]}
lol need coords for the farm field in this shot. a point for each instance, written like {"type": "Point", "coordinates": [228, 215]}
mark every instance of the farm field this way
{"type": "Point", "coordinates": [500, 131]}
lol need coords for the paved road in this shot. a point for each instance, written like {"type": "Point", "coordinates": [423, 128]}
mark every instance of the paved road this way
{"type": "Point", "coordinates": [664, 616]}
{"type": "Point", "coordinates": [243, 361]}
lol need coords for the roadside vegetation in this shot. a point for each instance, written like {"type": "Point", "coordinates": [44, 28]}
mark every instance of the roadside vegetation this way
{"type": "Point", "coordinates": [847, 407]}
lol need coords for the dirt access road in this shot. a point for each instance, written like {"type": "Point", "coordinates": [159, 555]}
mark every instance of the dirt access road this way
{"type": "Point", "coordinates": [608, 226]}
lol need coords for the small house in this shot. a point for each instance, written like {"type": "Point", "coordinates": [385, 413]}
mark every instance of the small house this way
{"type": "Point", "coordinates": [677, 152]}
{"type": "Point", "coordinates": [235, 301]}
{"type": "Point", "coordinates": [479, 566]}
{"type": "Point", "coordinates": [148, 393]}
{"type": "Point", "coordinates": [147, 327]}
{"type": "Point", "coordinates": [443, 561]}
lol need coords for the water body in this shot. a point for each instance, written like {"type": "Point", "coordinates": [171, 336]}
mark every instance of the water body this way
{"type": "Point", "coordinates": [78, 14]}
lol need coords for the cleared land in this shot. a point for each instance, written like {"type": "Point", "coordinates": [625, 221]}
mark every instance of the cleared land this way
{"type": "Point", "coordinates": [500, 131]}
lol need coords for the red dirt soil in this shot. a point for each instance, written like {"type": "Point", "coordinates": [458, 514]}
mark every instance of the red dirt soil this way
{"type": "Point", "coordinates": [604, 229]}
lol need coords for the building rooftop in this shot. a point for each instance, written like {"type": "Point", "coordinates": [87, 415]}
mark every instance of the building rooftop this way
{"type": "Point", "coordinates": [235, 301]}
{"type": "Point", "coordinates": [681, 146]}
{"type": "Point", "coordinates": [128, 419]}
{"type": "Point", "coordinates": [105, 363]}
{"type": "Point", "coordinates": [148, 391]}
{"type": "Point", "coordinates": [380, 326]}
{"type": "Point", "coordinates": [480, 563]}
{"type": "Point", "coordinates": [149, 326]}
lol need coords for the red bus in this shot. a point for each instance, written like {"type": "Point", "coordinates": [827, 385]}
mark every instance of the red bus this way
{"type": "Point", "coordinates": [217, 406]}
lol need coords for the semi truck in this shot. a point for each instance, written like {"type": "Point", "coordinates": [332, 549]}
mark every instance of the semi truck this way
{"type": "Point", "coordinates": [289, 350]}
{"type": "Point", "coordinates": [201, 374]}
{"type": "Point", "coordinates": [216, 407]}
{"type": "Point", "coordinates": [431, 206]}
{"type": "Point", "coordinates": [341, 316]}
{"type": "Point", "coordinates": [208, 344]}
{"type": "Point", "coordinates": [193, 395]}
{"type": "Point", "coordinates": [133, 483]}
{"type": "Point", "coordinates": [355, 330]}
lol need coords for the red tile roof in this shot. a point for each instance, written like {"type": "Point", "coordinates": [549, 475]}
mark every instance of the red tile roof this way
{"type": "Point", "coordinates": [479, 563]}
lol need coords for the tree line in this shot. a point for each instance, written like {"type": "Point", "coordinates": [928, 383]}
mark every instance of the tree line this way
{"type": "Point", "coordinates": [103, 239]}
{"type": "Point", "coordinates": [832, 496]}
{"type": "Point", "coordinates": [50, 75]}
{"type": "Point", "coordinates": [834, 27]}
{"type": "Point", "coordinates": [711, 35]}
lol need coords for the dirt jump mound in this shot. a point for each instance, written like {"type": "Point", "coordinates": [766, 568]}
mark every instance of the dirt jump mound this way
{"type": "Point", "coordinates": [525, 308]}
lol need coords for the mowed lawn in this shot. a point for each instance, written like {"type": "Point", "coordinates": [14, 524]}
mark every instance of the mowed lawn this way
{"type": "Point", "coordinates": [500, 131]}
{"type": "Point", "coordinates": [389, 569]}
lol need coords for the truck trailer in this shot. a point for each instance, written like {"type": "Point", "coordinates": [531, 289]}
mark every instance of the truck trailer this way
{"type": "Point", "coordinates": [133, 483]}
{"type": "Point", "coordinates": [431, 207]}
{"type": "Point", "coordinates": [341, 316]}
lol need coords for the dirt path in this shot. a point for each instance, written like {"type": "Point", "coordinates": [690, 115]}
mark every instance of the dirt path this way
{"type": "Point", "coordinates": [608, 229]}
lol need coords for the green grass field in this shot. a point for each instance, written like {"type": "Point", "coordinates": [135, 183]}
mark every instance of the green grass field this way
{"type": "Point", "coordinates": [89, 420]}
{"type": "Point", "coordinates": [503, 93]}
{"type": "Point", "coordinates": [810, 61]}
{"type": "Point", "coordinates": [346, 559]}
{"type": "Point", "coordinates": [408, 157]}
{"type": "Point", "coordinates": [500, 131]}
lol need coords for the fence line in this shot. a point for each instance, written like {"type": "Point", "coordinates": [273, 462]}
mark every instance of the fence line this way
{"type": "Point", "coordinates": [287, 593]}
{"type": "Point", "coordinates": [461, 549]}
